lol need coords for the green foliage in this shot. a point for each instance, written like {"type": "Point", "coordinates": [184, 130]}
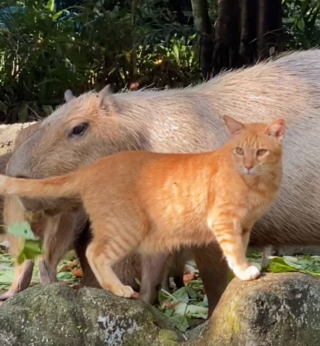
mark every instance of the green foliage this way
{"type": "Point", "coordinates": [32, 245]}
{"type": "Point", "coordinates": [48, 46]}
{"type": "Point", "coordinates": [303, 264]}
{"type": "Point", "coordinates": [302, 23]}
{"type": "Point", "coordinates": [22, 230]}
{"type": "Point", "coordinates": [185, 305]}
{"type": "Point", "coordinates": [43, 51]}
{"type": "Point", "coordinates": [31, 249]}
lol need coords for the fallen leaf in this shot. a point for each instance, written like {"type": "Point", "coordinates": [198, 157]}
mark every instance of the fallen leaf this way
{"type": "Point", "coordinates": [66, 276]}
{"type": "Point", "coordinates": [188, 277]}
{"type": "Point", "coordinates": [69, 266]}
{"type": "Point", "coordinates": [76, 286]}
{"type": "Point", "coordinates": [181, 294]}
{"type": "Point", "coordinates": [180, 322]}
{"type": "Point", "coordinates": [22, 230]}
{"type": "Point", "coordinates": [196, 311]}
{"type": "Point", "coordinates": [31, 249]}
{"type": "Point", "coordinates": [65, 282]}
{"type": "Point", "coordinates": [78, 273]}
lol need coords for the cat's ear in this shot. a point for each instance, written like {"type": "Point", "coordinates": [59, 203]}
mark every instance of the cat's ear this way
{"type": "Point", "coordinates": [234, 126]}
{"type": "Point", "coordinates": [277, 129]}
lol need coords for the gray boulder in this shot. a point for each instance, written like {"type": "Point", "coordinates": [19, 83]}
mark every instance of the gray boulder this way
{"type": "Point", "coordinates": [56, 315]}
{"type": "Point", "coordinates": [275, 310]}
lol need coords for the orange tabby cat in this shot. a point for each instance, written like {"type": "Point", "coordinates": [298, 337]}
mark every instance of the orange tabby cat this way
{"type": "Point", "coordinates": [150, 202]}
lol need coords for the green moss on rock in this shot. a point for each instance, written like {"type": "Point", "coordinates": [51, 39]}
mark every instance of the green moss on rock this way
{"type": "Point", "coordinates": [57, 315]}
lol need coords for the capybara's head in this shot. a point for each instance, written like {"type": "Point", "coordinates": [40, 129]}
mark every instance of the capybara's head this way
{"type": "Point", "coordinates": [77, 133]}
{"type": "Point", "coordinates": [82, 130]}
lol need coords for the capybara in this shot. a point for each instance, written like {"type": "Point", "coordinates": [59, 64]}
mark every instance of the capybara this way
{"type": "Point", "coordinates": [190, 120]}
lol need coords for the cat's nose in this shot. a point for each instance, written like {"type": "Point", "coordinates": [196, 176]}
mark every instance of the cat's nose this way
{"type": "Point", "coordinates": [248, 166]}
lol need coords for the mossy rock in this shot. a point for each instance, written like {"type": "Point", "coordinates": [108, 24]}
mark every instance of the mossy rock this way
{"type": "Point", "coordinates": [275, 310]}
{"type": "Point", "coordinates": [56, 315]}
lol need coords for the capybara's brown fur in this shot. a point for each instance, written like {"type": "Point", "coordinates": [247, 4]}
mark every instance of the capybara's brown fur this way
{"type": "Point", "coordinates": [23, 273]}
{"type": "Point", "coordinates": [189, 120]}
{"type": "Point", "coordinates": [3, 165]}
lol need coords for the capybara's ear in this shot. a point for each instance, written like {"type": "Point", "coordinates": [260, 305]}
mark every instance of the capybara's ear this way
{"type": "Point", "coordinates": [107, 102]}
{"type": "Point", "coordinates": [234, 126]}
{"type": "Point", "coordinates": [68, 95]}
{"type": "Point", "coordinates": [106, 91]}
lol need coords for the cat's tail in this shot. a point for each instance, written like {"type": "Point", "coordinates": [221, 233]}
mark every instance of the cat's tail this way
{"type": "Point", "coordinates": [57, 187]}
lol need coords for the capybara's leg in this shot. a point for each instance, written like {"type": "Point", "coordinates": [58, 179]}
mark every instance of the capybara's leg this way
{"type": "Point", "coordinates": [14, 212]}
{"type": "Point", "coordinates": [152, 273]}
{"type": "Point", "coordinates": [165, 284]}
{"type": "Point", "coordinates": [22, 279]}
{"type": "Point", "coordinates": [58, 239]}
{"type": "Point", "coordinates": [174, 268]}
{"type": "Point", "coordinates": [213, 270]}
{"type": "Point", "coordinates": [80, 244]}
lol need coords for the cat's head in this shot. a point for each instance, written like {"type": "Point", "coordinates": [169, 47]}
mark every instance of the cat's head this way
{"type": "Point", "coordinates": [256, 147]}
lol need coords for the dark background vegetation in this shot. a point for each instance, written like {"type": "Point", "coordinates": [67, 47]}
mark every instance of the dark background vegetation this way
{"type": "Point", "coordinates": [47, 47]}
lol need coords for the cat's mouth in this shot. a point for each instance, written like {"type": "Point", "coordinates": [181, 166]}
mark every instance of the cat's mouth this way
{"type": "Point", "coordinates": [249, 173]}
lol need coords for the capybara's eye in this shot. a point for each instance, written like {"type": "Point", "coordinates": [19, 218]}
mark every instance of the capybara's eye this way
{"type": "Point", "coordinates": [79, 130]}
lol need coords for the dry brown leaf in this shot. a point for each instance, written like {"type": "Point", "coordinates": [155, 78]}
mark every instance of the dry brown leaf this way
{"type": "Point", "coordinates": [188, 277]}
{"type": "Point", "coordinates": [77, 272]}
{"type": "Point", "coordinates": [68, 267]}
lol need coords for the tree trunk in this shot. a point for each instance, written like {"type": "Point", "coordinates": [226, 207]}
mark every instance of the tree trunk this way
{"type": "Point", "coordinates": [204, 29]}
{"type": "Point", "coordinates": [248, 41]}
{"type": "Point", "coordinates": [134, 59]}
{"type": "Point", "coordinates": [270, 27]}
{"type": "Point", "coordinates": [227, 36]}
{"type": "Point", "coordinates": [246, 31]}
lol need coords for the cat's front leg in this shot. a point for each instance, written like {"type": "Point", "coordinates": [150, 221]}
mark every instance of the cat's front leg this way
{"type": "Point", "coordinates": [101, 259]}
{"type": "Point", "coordinates": [233, 240]}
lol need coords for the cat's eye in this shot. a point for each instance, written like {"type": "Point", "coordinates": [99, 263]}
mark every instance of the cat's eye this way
{"type": "Point", "coordinates": [261, 152]}
{"type": "Point", "coordinates": [239, 151]}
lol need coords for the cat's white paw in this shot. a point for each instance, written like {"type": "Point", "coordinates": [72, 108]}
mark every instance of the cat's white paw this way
{"type": "Point", "coordinates": [124, 291]}
{"type": "Point", "coordinates": [250, 273]}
